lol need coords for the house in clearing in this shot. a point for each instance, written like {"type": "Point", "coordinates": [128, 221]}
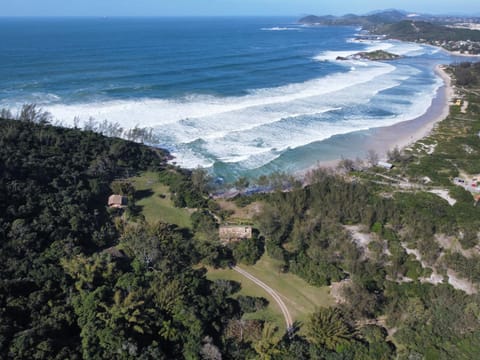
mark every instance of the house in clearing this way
{"type": "Point", "coordinates": [117, 201]}
{"type": "Point", "coordinates": [230, 233]}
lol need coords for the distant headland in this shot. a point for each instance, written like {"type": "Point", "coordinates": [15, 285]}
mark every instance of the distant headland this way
{"type": "Point", "coordinates": [457, 34]}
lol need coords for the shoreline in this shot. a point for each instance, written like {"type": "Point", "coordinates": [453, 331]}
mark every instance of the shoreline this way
{"type": "Point", "coordinates": [405, 133]}
{"type": "Point", "coordinates": [458, 53]}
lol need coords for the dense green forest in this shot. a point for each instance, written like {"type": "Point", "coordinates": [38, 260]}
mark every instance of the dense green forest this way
{"type": "Point", "coordinates": [367, 21]}
{"type": "Point", "coordinates": [61, 295]}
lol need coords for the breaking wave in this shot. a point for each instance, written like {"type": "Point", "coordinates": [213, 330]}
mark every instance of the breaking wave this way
{"type": "Point", "coordinates": [254, 129]}
{"type": "Point", "coordinates": [278, 28]}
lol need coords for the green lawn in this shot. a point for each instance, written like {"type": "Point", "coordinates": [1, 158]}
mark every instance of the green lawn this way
{"type": "Point", "coordinates": [300, 297]}
{"type": "Point", "coordinates": [272, 313]}
{"type": "Point", "coordinates": [154, 199]}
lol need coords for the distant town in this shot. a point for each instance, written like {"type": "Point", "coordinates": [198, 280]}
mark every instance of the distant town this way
{"type": "Point", "coordinates": [456, 34]}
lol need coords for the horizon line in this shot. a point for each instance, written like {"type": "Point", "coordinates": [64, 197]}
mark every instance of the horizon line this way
{"type": "Point", "coordinates": [146, 16]}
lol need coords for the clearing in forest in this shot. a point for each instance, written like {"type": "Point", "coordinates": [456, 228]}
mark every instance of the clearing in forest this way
{"type": "Point", "coordinates": [300, 297]}
{"type": "Point", "coordinates": [155, 201]}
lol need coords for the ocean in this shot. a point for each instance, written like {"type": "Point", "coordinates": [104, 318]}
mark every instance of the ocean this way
{"type": "Point", "coordinates": [240, 96]}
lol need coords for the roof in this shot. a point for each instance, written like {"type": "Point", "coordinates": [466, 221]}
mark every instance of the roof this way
{"type": "Point", "coordinates": [117, 200]}
{"type": "Point", "coordinates": [235, 232]}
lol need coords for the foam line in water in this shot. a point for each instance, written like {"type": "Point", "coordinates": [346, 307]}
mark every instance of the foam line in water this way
{"type": "Point", "coordinates": [255, 129]}
{"type": "Point", "coordinates": [159, 112]}
{"type": "Point", "coordinates": [395, 47]}
{"type": "Point", "coordinates": [252, 149]}
{"type": "Point", "coordinates": [279, 28]}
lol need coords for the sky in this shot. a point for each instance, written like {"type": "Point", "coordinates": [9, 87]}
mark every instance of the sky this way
{"type": "Point", "coordinates": [226, 7]}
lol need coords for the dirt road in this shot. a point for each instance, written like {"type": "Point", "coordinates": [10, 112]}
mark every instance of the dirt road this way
{"type": "Point", "coordinates": [269, 290]}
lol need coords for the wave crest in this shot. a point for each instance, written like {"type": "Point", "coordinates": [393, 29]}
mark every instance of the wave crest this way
{"type": "Point", "coordinates": [278, 28]}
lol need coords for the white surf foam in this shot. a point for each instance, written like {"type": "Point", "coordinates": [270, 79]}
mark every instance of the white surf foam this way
{"type": "Point", "coordinates": [370, 46]}
{"type": "Point", "coordinates": [160, 113]}
{"type": "Point", "coordinates": [256, 147]}
{"type": "Point", "coordinates": [254, 129]}
{"type": "Point", "coordinates": [266, 142]}
{"type": "Point", "coordinates": [405, 48]}
{"type": "Point", "coordinates": [394, 47]}
{"type": "Point", "coordinates": [189, 159]}
{"type": "Point", "coordinates": [278, 28]}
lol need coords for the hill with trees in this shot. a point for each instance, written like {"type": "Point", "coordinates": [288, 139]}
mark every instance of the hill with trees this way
{"type": "Point", "coordinates": [81, 280]}
{"type": "Point", "coordinates": [76, 280]}
{"type": "Point", "coordinates": [394, 24]}
{"type": "Point", "coordinates": [409, 30]}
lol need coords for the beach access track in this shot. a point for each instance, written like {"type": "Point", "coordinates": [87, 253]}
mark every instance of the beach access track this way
{"type": "Point", "coordinates": [276, 296]}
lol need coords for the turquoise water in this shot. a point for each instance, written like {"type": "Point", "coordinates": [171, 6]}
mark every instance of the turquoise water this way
{"type": "Point", "coordinates": [237, 95]}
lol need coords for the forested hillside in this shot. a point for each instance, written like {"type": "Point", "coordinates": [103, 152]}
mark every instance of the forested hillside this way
{"type": "Point", "coordinates": [409, 30]}
{"type": "Point", "coordinates": [308, 230]}
{"type": "Point", "coordinates": [61, 295]}
{"type": "Point", "coordinates": [433, 30]}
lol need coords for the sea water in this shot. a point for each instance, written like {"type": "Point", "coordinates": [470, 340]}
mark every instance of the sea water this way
{"type": "Point", "coordinates": [241, 96]}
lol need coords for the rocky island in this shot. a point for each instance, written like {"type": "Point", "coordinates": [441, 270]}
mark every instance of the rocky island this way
{"type": "Point", "coordinates": [377, 55]}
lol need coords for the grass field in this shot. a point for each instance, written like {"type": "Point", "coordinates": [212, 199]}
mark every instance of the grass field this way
{"type": "Point", "coordinates": [154, 199]}
{"type": "Point", "coordinates": [300, 297]}
{"type": "Point", "coordinates": [271, 313]}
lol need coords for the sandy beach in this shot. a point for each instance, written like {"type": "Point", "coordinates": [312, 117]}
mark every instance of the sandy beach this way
{"type": "Point", "coordinates": [458, 53]}
{"type": "Point", "coordinates": [403, 134]}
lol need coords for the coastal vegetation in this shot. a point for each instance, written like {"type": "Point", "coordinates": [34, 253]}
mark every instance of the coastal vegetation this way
{"type": "Point", "coordinates": [452, 39]}
{"type": "Point", "coordinates": [382, 17]}
{"type": "Point", "coordinates": [402, 261]}
{"type": "Point", "coordinates": [377, 55]}
{"type": "Point", "coordinates": [369, 267]}
{"type": "Point", "coordinates": [416, 30]}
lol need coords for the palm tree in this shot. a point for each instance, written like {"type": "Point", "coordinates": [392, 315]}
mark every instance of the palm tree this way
{"type": "Point", "coordinates": [267, 346]}
{"type": "Point", "coordinates": [126, 310]}
{"type": "Point", "coordinates": [168, 331]}
{"type": "Point", "coordinates": [326, 327]}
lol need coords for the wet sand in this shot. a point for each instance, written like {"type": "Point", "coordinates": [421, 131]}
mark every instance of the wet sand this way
{"type": "Point", "coordinates": [403, 134]}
